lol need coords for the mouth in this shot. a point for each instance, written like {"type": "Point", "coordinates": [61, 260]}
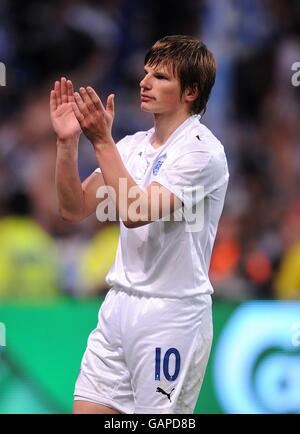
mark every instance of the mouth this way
{"type": "Point", "coordinates": [145, 98]}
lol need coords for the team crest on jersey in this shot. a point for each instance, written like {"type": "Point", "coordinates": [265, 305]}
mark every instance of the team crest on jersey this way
{"type": "Point", "coordinates": [158, 164]}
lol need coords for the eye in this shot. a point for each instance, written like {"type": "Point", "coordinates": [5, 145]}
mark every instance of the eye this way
{"type": "Point", "coordinates": [160, 76]}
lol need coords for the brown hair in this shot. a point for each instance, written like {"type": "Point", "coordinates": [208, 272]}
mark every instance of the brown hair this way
{"type": "Point", "coordinates": [191, 62]}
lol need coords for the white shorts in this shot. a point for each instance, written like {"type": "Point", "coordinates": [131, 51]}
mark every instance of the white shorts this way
{"type": "Point", "coordinates": [147, 354]}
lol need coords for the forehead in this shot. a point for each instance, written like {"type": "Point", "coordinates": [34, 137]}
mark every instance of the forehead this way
{"type": "Point", "coordinates": [164, 67]}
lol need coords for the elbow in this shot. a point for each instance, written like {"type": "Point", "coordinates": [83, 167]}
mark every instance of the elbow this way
{"type": "Point", "coordinates": [130, 224]}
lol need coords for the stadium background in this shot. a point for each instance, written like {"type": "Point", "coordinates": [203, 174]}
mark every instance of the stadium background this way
{"type": "Point", "coordinates": [52, 272]}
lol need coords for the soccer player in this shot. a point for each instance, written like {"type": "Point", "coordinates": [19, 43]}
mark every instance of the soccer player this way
{"type": "Point", "coordinates": [150, 349]}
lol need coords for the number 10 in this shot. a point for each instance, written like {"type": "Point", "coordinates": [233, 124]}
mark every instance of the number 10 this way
{"type": "Point", "coordinates": [166, 361]}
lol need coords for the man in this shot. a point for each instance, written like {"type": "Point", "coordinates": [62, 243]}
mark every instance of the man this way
{"type": "Point", "coordinates": [150, 349]}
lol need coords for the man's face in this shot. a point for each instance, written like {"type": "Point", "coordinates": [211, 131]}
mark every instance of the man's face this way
{"type": "Point", "coordinates": [160, 90]}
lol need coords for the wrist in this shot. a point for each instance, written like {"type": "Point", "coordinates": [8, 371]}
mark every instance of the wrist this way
{"type": "Point", "coordinates": [67, 142]}
{"type": "Point", "coordinates": [103, 145]}
{"type": "Point", "coordinates": [67, 149]}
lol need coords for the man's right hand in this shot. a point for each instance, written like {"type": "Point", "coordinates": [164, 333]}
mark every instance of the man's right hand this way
{"type": "Point", "coordinates": [64, 121]}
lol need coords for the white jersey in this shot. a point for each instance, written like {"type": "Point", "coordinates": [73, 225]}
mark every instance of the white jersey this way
{"type": "Point", "coordinates": [172, 258]}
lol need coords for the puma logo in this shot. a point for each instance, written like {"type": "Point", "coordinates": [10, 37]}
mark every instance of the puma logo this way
{"type": "Point", "coordinates": [160, 390]}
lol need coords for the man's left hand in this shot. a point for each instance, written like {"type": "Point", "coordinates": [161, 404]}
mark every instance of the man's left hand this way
{"type": "Point", "coordinates": [95, 119]}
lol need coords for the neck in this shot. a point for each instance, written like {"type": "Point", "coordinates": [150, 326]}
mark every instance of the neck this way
{"type": "Point", "coordinates": [165, 125]}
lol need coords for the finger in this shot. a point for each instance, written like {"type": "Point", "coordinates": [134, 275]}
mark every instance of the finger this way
{"type": "Point", "coordinates": [110, 104]}
{"type": "Point", "coordinates": [77, 112]}
{"type": "Point", "coordinates": [81, 104]}
{"type": "Point", "coordinates": [87, 99]}
{"type": "Point", "coordinates": [95, 98]}
{"type": "Point", "coordinates": [70, 91]}
{"type": "Point", "coordinates": [57, 92]}
{"type": "Point", "coordinates": [63, 88]}
{"type": "Point", "coordinates": [53, 103]}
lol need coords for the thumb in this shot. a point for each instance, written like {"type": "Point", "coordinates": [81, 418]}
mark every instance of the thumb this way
{"type": "Point", "coordinates": [110, 104]}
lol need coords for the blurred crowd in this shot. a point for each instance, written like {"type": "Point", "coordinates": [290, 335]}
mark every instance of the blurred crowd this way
{"type": "Point", "coordinates": [254, 110]}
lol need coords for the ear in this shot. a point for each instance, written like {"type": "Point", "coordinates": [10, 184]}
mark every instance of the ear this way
{"type": "Point", "coordinates": [192, 93]}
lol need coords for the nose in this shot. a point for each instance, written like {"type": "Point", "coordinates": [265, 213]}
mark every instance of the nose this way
{"type": "Point", "coordinates": [145, 82]}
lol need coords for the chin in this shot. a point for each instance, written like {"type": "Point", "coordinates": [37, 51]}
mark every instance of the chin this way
{"type": "Point", "coordinates": [146, 109]}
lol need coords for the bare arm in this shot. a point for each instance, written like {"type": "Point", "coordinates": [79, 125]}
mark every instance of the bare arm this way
{"type": "Point", "coordinates": [96, 122]}
{"type": "Point", "coordinates": [138, 207]}
{"type": "Point", "coordinates": [76, 200]}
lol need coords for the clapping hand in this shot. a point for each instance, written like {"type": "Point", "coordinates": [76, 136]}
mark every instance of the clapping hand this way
{"type": "Point", "coordinates": [95, 120]}
{"type": "Point", "coordinates": [62, 104]}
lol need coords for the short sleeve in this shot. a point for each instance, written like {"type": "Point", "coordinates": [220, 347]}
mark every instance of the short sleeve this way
{"type": "Point", "coordinates": [194, 175]}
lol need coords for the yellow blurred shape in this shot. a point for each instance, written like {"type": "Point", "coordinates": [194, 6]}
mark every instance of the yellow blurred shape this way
{"type": "Point", "coordinates": [287, 281]}
{"type": "Point", "coordinates": [98, 257]}
{"type": "Point", "coordinates": [28, 265]}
